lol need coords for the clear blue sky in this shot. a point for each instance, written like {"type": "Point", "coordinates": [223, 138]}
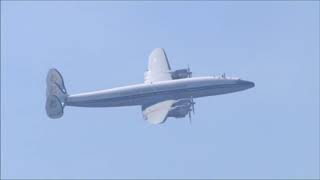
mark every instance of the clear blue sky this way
{"type": "Point", "coordinates": [270, 131]}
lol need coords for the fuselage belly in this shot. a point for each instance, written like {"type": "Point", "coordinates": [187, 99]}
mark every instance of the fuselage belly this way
{"type": "Point", "coordinates": [143, 94]}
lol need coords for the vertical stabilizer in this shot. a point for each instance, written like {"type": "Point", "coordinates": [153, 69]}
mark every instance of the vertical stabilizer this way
{"type": "Point", "coordinates": [56, 94]}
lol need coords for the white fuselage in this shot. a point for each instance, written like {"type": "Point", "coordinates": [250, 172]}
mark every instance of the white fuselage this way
{"type": "Point", "coordinates": [142, 94]}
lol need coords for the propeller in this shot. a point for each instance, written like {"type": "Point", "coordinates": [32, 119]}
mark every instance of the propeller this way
{"type": "Point", "coordinates": [192, 109]}
{"type": "Point", "coordinates": [192, 104]}
{"type": "Point", "coordinates": [189, 72]}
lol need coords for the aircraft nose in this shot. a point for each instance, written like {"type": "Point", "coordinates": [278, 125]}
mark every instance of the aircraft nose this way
{"type": "Point", "coordinates": [248, 84]}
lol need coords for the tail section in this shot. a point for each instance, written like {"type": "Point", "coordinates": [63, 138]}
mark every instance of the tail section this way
{"type": "Point", "coordinates": [56, 94]}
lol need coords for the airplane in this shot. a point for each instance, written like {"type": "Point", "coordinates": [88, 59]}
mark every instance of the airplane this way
{"type": "Point", "coordinates": [165, 93]}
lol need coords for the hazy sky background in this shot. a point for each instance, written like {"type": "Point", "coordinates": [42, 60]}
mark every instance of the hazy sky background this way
{"type": "Point", "coordinates": [270, 131]}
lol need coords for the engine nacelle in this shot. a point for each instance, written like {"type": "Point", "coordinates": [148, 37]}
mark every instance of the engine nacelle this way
{"type": "Point", "coordinates": [182, 102]}
{"type": "Point", "coordinates": [180, 74]}
{"type": "Point", "coordinates": [179, 111]}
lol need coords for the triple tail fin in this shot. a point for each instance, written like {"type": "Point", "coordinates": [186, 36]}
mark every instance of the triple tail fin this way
{"type": "Point", "coordinates": [56, 94]}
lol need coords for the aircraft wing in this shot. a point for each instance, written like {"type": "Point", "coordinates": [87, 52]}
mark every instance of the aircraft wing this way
{"type": "Point", "coordinates": [158, 67]}
{"type": "Point", "coordinates": [157, 113]}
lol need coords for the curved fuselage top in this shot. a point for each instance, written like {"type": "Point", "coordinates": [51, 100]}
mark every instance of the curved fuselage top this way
{"type": "Point", "coordinates": [142, 94]}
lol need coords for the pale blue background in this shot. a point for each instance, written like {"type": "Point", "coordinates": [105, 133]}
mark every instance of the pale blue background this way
{"type": "Point", "coordinates": [270, 131]}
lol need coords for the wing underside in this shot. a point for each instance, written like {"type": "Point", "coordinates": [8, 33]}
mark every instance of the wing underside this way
{"type": "Point", "coordinates": [158, 67]}
{"type": "Point", "coordinates": [159, 70]}
{"type": "Point", "coordinates": [157, 113]}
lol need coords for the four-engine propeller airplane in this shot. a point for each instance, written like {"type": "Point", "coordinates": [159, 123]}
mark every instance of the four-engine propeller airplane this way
{"type": "Point", "coordinates": [164, 93]}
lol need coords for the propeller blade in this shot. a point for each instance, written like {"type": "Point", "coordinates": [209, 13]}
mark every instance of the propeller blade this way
{"type": "Point", "coordinates": [189, 72]}
{"type": "Point", "coordinates": [192, 105]}
{"type": "Point", "coordinates": [193, 108]}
